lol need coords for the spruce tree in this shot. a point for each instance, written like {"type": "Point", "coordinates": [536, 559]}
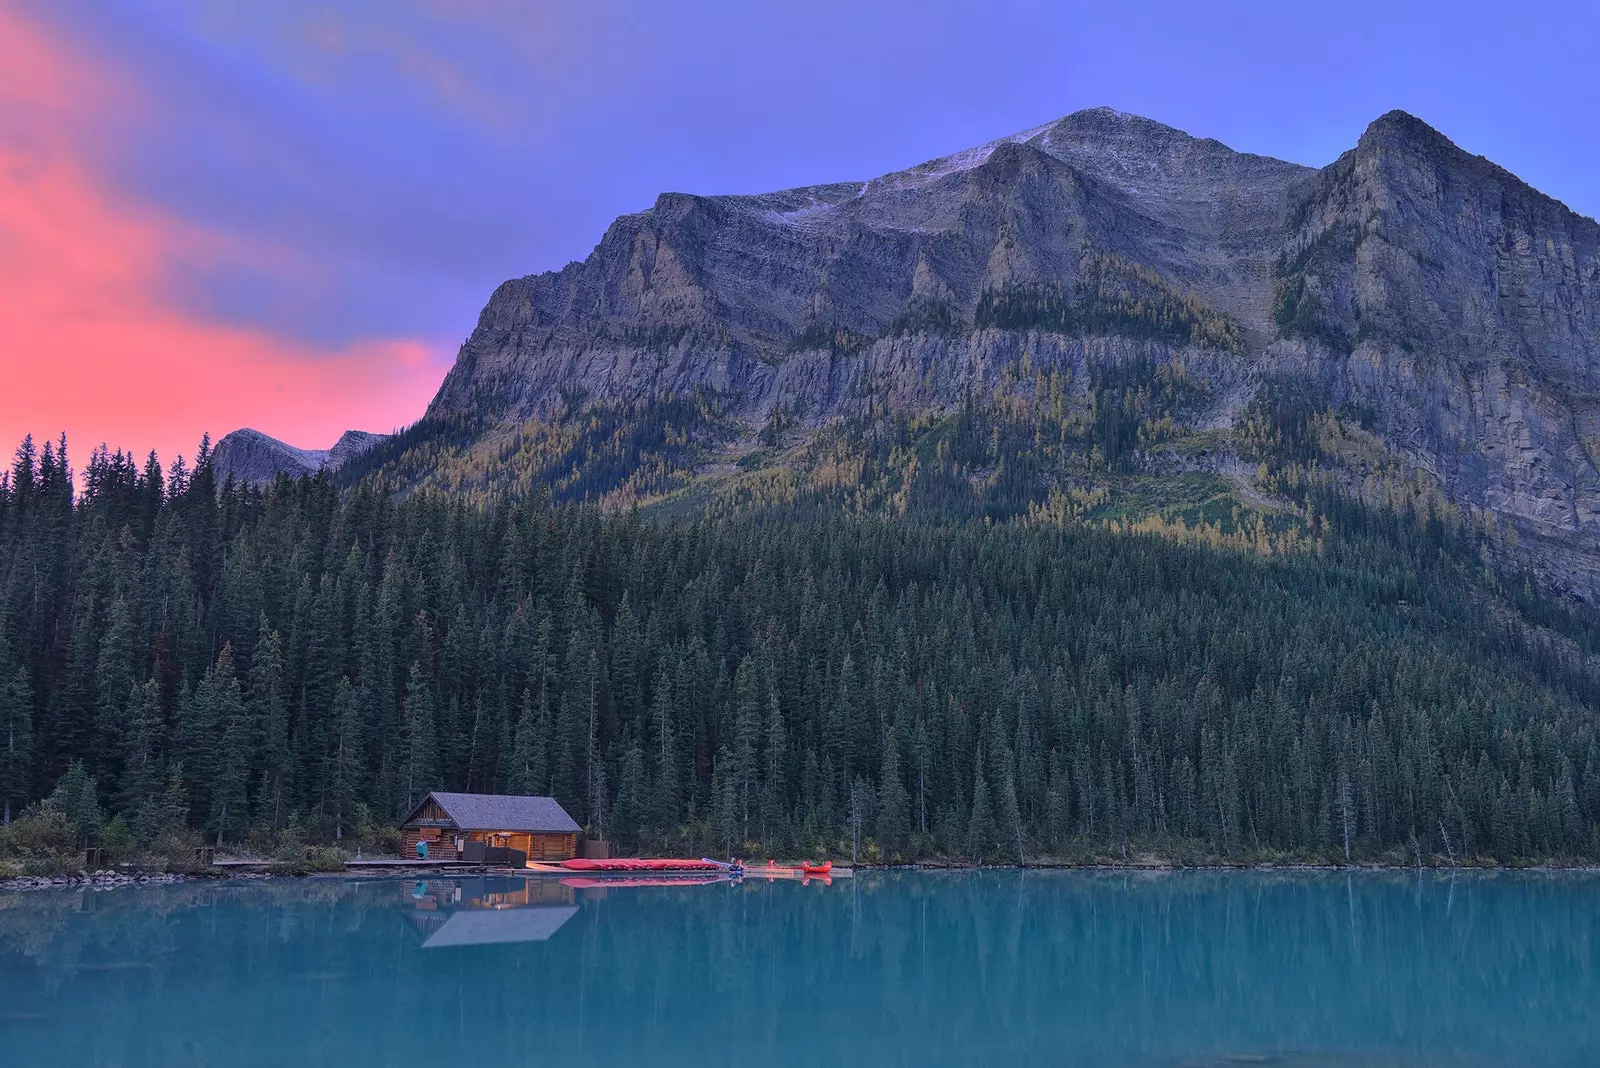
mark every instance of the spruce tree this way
{"type": "Point", "coordinates": [230, 747]}
{"type": "Point", "coordinates": [520, 768]}
{"type": "Point", "coordinates": [77, 799]}
{"type": "Point", "coordinates": [628, 807]}
{"type": "Point", "coordinates": [141, 773]}
{"type": "Point", "coordinates": [420, 765]}
{"type": "Point", "coordinates": [980, 826]}
{"type": "Point", "coordinates": [894, 818]}
{"type": "Point", "coordinates": [345, 773]}
{"type": "Point", "coordinates": [664, 798]}
{"type": "Point", "coordinates": [270, 715]}
{"type": "Point", "coordinates": [16, 743]}
{"type": "Point", "coordinates": [113, 681]}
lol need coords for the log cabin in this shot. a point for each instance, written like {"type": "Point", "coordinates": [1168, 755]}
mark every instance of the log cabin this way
{"type": "Point", "coordinates": [490, 829]}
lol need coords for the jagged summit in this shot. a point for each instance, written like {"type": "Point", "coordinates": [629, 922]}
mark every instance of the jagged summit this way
{"type": "Point", "coordinates": [1408, 280]}
{"type": "Point", "coordinates": [248, 455]}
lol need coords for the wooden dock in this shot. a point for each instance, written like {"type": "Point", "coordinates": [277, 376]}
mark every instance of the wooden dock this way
{"type": "Point", "coordinates": [543, 868]}
{"type": "Point", "coordinates": [392, 862]}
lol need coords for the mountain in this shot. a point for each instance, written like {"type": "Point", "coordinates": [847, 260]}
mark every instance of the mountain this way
{"type": "Point", "coordinates": [251, 456]}
{"type": "Point", "coordinates": [1097, 495]}
{"type": "Point", "coordinates": [1426, 321]}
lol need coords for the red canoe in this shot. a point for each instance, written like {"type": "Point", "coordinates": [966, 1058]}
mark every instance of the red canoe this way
{"type": "Point", "coordinates": [816, 869]}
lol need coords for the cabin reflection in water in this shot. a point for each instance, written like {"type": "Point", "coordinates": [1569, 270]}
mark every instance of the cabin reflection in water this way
{"type": "Point", "coordinates": [481, 911]}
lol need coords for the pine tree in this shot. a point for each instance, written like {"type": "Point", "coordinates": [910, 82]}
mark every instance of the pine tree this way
{"type": "Point", "coordinates": [860, 814]}
{"type": "Point", "coordinates": [1011, 827]}
{"type": "Point", "coordinates": [894, 819]}
{"type": "Point", "coordinates": [270, 716]}
{"type": "Point", "coordinates": [230, 747]}
{"type": "Point", "coordinates": [746, 741]}
{"type": "Point", "coordinates": [773, 784]}
{"type": "Point", "coordinates": [520, 771]}
{"type": "Point", "coordinates": [980, 827]}
{"type": "Point", "coordinates": [420, 766]}
{"type": "Point", "coordinates": [113, 681]}
{"type": "Point", "coordinates": [75, 795]}
{"type": "Point", "coordinates": [345, 774]}
{"type": "Point", "coordinates": [629, 805]}
{"type": "Point", "coordinates": [16, 743]}
{"type": "Point", "coordinates": [724, 801]}
{"type": "Point", "coordinates": [141, 774]}
{"type": "Point", "coordinates": [161, 819]}
{"type": "Point", "coordinates": [664, 800]}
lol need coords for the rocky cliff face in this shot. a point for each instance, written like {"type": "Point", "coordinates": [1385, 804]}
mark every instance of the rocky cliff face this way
{"type": "Point", "coordinates": [823, 297]}
{"type": "Point", "coordinates": [1407, 279]}
{"type": "Point", "coordinates": [250, 456]}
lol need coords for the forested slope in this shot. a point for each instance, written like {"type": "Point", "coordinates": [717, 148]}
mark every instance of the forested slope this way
{"type": "Point", "coordinates": [787, 676]}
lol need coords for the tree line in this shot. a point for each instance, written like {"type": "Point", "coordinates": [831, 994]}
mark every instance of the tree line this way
{"type": "Point", "coordinates": [247, 661]}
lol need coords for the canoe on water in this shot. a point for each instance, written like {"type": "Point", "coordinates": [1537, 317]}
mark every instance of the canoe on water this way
{"type": "Point", "coordinates": [803, 870]}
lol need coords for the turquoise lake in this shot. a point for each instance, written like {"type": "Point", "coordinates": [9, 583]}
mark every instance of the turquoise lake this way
{"type": "Point", "coordinates": [905, 968]}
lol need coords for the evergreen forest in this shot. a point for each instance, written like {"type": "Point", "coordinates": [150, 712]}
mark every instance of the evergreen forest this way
{"type": "Point", "coordinates": [308, 658]}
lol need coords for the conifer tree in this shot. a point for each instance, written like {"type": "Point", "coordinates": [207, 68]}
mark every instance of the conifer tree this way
{"type": "Point", "coordinates": [161, 819]}
{"type": "Point", "coordinates": [270, 715]}
{"type": "Point", "coordinates": [141, 774]}
{"type": "Point", "coordinates": [520, 778]}
{"type": "Point", "coordinates": [419, 768]}
{"type": "Point", "coordinates": [629, 804]}
{"type": "Point", "coordinates": [16, 742]}
{"type": "Point", "coordinates": [113, 681]}
{"type": "Point", "coordinates": [345, 774]}
{"type": "Point", "coordinates": [75, 795]}
{"type": "Point", "coordinates": [229, 747]}
{"type": "Point", "coordinates": [664, 799]}
{"type": "Point", "coordinates": [774, 786]}
{"type": "Point", "coordinates": [980, 827]}
{"type": "Point", "coordinates": [894, 822]}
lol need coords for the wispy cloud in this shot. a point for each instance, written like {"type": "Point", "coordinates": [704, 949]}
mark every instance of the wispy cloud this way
{"type": "Point", "coordinates": [93, 345]}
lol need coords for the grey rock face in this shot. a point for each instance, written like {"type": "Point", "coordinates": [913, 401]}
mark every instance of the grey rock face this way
{"type": "Point", "coordinates": [1423, 283]}
{"type": "Point", "coordinates": [720, 292]}
{"type": "Point", "coordinates": [251, 456]}
{"type": "Point", "coordinates": [1463, 307]}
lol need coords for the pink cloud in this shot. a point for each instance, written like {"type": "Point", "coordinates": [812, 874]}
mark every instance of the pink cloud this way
{"type": "Point", "coordinates": [91, 346]}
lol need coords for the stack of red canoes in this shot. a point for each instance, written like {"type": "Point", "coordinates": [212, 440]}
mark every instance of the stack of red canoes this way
{"type": "Point", "coordinates": [630, 864]}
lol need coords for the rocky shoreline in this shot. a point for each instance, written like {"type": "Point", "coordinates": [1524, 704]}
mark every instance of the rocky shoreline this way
{"type": "Point", "coordinates": [111, 880]}
{"type": "Point", "coordinates": [90, 880]}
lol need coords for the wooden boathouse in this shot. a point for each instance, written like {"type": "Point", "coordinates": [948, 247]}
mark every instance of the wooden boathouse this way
{"type": "Point", "coordinates": [489, 829]}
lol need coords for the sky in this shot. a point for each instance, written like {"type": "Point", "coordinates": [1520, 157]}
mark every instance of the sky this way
{"type": "Point", "coordinates": [287, 215]}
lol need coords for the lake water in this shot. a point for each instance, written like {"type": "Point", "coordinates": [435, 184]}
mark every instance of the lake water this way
{"type": "Point", "coordinates": [909, 968]}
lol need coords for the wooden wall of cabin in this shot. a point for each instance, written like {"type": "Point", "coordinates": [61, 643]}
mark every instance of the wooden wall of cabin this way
{"type": "Point", "coordinates": [441, 843]}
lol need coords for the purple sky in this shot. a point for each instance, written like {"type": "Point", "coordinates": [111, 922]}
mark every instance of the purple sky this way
{"type": "Point", "coordinates": [385, 163]}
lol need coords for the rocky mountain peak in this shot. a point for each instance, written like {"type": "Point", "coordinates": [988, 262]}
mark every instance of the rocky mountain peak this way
{"type": "Point", "coordinates": [248, 455]}
{"type": "Point", "coordinates": [1408, 280]}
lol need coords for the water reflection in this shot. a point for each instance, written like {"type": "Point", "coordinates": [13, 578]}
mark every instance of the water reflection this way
{"type": "Point", "coordinates": [483, 911]}
{"type": "Point", "coordinates": [893, 969]}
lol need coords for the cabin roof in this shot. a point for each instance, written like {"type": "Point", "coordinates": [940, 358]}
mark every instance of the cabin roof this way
{"type": "Point", "coordinates": [501, 812]}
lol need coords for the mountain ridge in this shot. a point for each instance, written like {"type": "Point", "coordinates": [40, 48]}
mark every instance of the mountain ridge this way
{"type": "Point", "coordinates": [1454, 309]}
{"type": "Point", "coordinates": [248, 455]}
